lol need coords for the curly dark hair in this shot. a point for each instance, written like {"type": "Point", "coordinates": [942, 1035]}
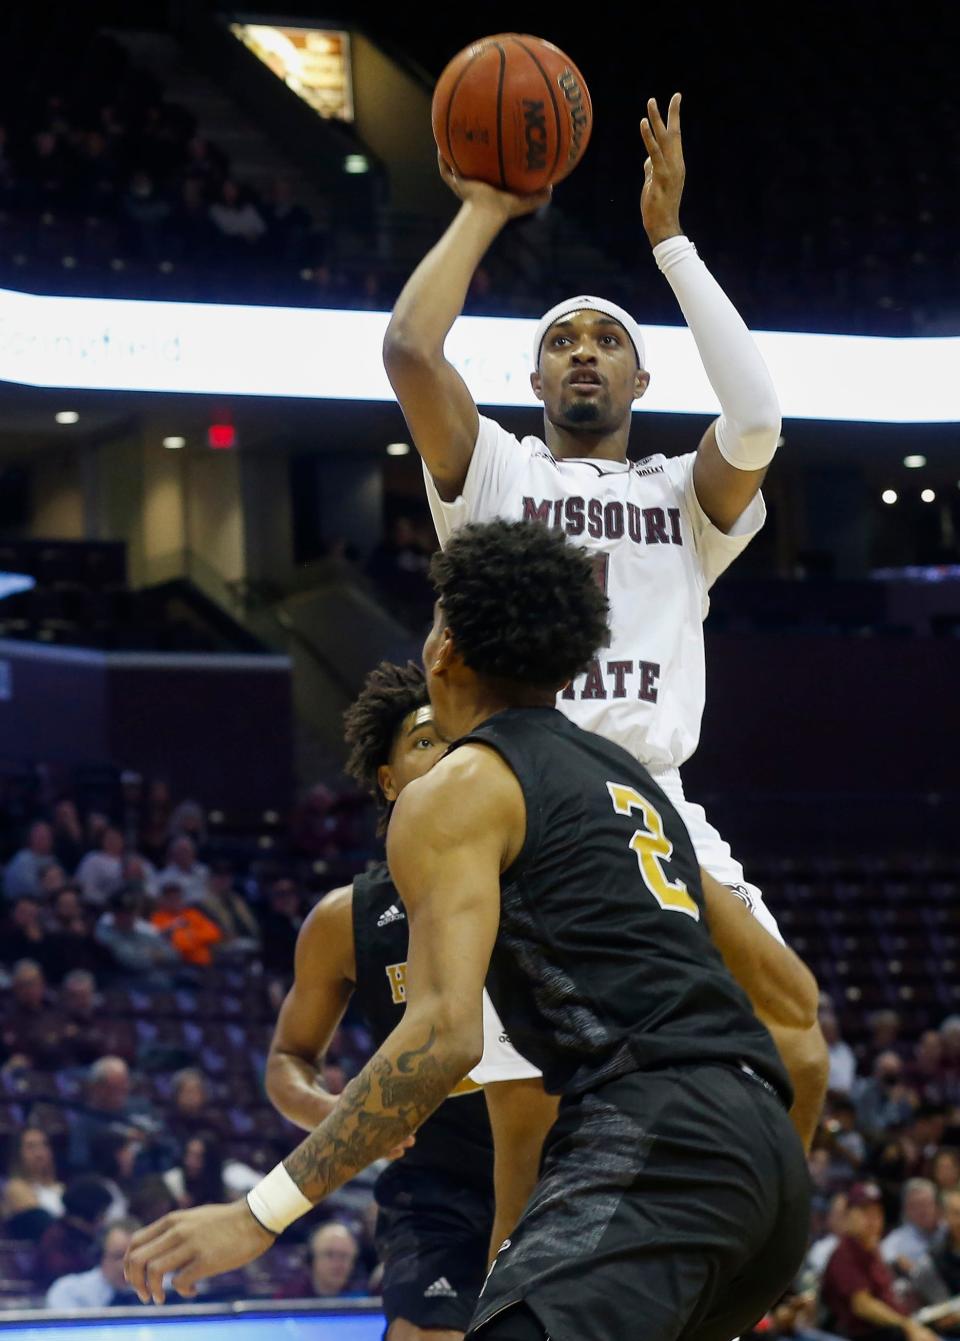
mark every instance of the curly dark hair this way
{"type": "Point", "coordinates": [523, 603]}
{"type": "Point", "coordinates": [371, 723]}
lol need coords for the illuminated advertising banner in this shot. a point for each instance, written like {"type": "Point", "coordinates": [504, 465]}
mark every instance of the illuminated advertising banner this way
{"type": "Point", "coordinates": [313, 62]}
{"type": "Point", "coordinates": [110, 344]}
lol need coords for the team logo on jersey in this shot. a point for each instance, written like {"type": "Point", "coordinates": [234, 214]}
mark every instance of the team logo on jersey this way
{"type": "Point", "coordinates": [440, 1289]}
{"type": "Point", "coordinates": [397, 978]}
{"type": "Point", "coordinates": [744, 895]}
{"type": "Point", "coordinates": [393, 914]}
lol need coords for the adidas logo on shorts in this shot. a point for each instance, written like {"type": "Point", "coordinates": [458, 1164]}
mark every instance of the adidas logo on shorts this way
{"type": "Point", "coordinates": [393, 914]}
{"type": "Point", "coordinates": [440, 1289]}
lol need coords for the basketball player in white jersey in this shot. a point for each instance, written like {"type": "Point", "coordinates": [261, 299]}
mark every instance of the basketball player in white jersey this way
{"type": "Point", "coordinates": [662, 529]}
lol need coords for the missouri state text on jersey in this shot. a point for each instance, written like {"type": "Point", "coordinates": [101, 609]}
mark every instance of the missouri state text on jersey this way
{"type": "Point", "coordinates": [657, 555]}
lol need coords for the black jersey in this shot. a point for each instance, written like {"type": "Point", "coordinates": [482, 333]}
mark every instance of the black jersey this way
{"type": "Point", "coordinates": [456, 1139]}
{"type": "Point", "coordinates": [603, 963]}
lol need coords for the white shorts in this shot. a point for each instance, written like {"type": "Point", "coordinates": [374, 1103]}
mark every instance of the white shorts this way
{"type": "Point", "coordinates": [500, 1060]}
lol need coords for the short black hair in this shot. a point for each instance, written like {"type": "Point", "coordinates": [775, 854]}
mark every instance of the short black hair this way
{"type": "Point", "coordinates": [389, 694]}
{"type": "Point", "coordinates": [522, 602]}
{"type": "Point", "coordinates": [87, 1197]}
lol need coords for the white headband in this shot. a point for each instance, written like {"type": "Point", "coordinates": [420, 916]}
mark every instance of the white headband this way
{"type": "Point", "coordinates": [588, 302]}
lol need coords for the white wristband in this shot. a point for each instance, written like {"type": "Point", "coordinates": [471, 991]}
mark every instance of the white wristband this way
{"type": "Point", "coordinates": [276, 1201]}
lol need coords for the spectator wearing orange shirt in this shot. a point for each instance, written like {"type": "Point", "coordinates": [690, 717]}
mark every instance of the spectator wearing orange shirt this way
{"type": "Point", "coordinates": [189, 931]}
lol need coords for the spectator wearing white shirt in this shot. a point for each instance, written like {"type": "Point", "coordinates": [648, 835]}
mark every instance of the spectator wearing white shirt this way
{"type": "Point", "coordinates": [104, 1285]}
{"type": "Point", "coordinates": [100, 874]}
{"type": "Point", "coordinates": [918, 1229]}
{"type": "Point", "coordinates": [843, 1063]}
{"type": "Point", "coordinates": [183, 869]}
{"type": "Point", "coordinates": [24, 870]}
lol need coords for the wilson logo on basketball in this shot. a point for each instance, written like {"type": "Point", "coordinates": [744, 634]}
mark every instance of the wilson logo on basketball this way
{"type": "Point", "coordinates": [579, 116]}
{"type": "Point", "coordinates": [535, 134]}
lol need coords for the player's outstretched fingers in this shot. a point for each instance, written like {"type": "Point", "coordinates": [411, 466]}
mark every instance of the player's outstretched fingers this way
{"type": "Point", "coordinates": [650, 141]}
{"type": "Point", "coordinates": [673, 114]}
{"type": "Point", "coordinates": [185, 1282]}
{"type": "Point", "coordinates": [138, 1255]}
{"type": "Point", "coordinates": [656, 120]}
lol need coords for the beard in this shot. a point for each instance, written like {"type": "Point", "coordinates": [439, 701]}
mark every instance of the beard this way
{"type": "Point", "coordinates": [582, 412]}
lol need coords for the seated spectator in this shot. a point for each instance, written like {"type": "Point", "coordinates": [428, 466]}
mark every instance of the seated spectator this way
{"type": "Point", "coordinates": [70, 1244]}
{"type": "Point", "coordinates": [884, 1101]}
{"type": "Point", "coordinates": [131, 808]}
{"type": "Point", "coordinates": [289, 223]}
{"type": "Point", "coordinates": [822, 1250]}
{"type": "Point", "coordinates": [141, 875]}
{"type": "Point", "coordinates": [231, 912]}
{"type": "Point", "coordinates": [147, 211]}
{"type": "Point", "coordinates": [847, 1147]}
{"type": "Point", "coordinates": [918, 1229]}
{"type": "Point", "coordinates": [842, 1061]}
{"type": "Point", "coordinates": [32, 1026]}
{"type": "Point", "coordinates": [22, 876]}
{"type": "Point", "coordinates": [234, 214]}
{"type": "Point", "coordinates": [192, 934]}
{"type": "Point", "coordinates": [87, 1034]}
{"type": "Point", "coordinates": [104, 1285]}
{"type": "Point", "coordinates": [189, 820]}
{"type": "Point", "coordinates": [857, 1286]}
{"type": "Point", "coordinates": [155, 830]}
{"type": "Point", "coordinates": [925, 1071]}
{"type": "Point", "coordinates": [936, 1277]}
{"type": "Point", "coordinates": [24, 936]}
{"type": "Point", "coordinates": [68, 841]}
{"type": "Point", "coordinates": [70, 942]}
{"type": "Point", "coordinates": [183, 868]}
{"type": "Point", "coordinates": [191, 1114]}
{"type": "Point", "coordinates": [885, 1028]}
{"type": "Point", "coordinates": [280, 922]}
{"type": "Point", "coordinates": [945, 1170]}
{"type": "Point", "coordinates": [137, 949]}
{"type": "Point", "coordinates": [109, 1103]}
{"type": "Point", "coordinates": [199, 1177]}
{"type": "Point", "coordinates": [150, 1199]}
{"type": "Point", "coordinates": [32, 1185]}
{"type": "Point", "coordinates": [924, 1136]}
{"type": "Point", "coordinates": [333, 1257]}
{"type": "Point", "coordinates": [100, 874]}
{"type": "Point", "coordinates": [113, 1155]}
{"type": "Point", "coordinates": [52, 881]}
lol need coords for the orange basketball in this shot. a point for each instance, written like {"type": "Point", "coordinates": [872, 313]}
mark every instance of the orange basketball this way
{"type": "Point", "coordinates": [513, 111]}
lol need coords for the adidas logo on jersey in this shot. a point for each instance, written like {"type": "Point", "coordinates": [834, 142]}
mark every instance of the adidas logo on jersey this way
{"type": "Point", "coordinates": [393, 914]}
{"type": "Point", "coordinates": [440, 1289]}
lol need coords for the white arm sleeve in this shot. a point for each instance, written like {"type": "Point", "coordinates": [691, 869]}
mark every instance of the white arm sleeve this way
{"type": "Point", "coordinates": [497, 455]}
{"type": "Point", "coordinates": [749, 426]}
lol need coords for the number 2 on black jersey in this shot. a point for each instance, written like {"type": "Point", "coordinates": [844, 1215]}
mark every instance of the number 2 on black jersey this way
{"type": "Point", "coordinates": [652, 847]}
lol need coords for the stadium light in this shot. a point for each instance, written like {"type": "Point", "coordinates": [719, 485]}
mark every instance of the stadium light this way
{"type": "Point", "coordinates": [219, 349]}
{"type": "Point", "coordinates": [398, 448]}
{"type": "Point", "coordinates": [928, 495]}
{"type": "Point", "coordinates": [914, 462]}
{"type": "Point", "coordinates": [174, 442]}
{"type": "Point", "coordinates": [66, 417]}
{"type": "Point", "coordinates": [355, 164]}
{"type": "Point", "coordinates": [889, 495]}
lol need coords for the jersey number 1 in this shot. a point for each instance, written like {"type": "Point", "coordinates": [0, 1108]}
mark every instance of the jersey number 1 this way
{"type": "Point", "coordinates": [652, 847]}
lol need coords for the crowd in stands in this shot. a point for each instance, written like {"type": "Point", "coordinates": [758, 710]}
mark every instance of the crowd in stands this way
{"type": "Point", "coordinates": [140, 974]}
{"type": "Point", "coordinates": [108, 186]}
{"type": "Point", "coordinates": [885, 1166]}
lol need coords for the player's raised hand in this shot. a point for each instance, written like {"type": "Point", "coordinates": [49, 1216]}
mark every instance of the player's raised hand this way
{"type": "Point", "coordinates": [663, 172]}
{"type": "Point", "coordinates": [193, 1245]}
{"type": "Point", "coordinates": [507, 204]}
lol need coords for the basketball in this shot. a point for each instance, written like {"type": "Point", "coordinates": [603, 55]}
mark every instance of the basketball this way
{"type": "Point", "coordinates": [514, 111]}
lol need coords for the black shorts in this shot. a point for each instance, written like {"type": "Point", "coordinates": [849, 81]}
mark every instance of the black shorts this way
{"type": "Point", "coordinates": [433, 1238]}
{"type": "Point", "coordinates": [671, 1204]}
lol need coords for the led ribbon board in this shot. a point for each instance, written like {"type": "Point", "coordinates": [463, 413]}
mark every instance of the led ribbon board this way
{"type": "Point", "coordinates": [111, 344]}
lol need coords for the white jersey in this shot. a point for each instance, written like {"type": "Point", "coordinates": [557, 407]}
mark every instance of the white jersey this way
{"type": "Point", "coordinates": [657, 555]}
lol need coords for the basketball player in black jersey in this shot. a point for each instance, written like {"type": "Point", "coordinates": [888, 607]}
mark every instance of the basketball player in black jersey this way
{"type": "Point", "coordinates": [673, 1199]}
{"type": "Point", "coordinates": [436, 1202]}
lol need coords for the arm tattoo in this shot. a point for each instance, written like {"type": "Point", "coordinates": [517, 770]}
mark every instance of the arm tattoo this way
{"type": "Point", "coordinates": [385, 1103]}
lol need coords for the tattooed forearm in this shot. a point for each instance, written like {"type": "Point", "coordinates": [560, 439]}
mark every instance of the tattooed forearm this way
{"type": "Point", "coordinates": [395, 1091]}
